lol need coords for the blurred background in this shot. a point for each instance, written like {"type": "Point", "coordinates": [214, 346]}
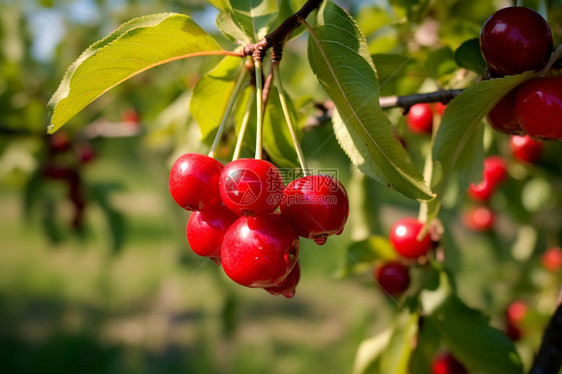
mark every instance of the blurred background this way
{"type": "Point", "coordinates": [96, 275]}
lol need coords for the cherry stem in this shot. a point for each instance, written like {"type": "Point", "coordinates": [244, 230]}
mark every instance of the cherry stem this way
{"type": "Point", "coordinates": [557, 54]}
{"type": "Point", "coordinates": [242, 132]}
{"type": "Point", "coordinates": [287, 114]}
{"type": "Point", "coordinates": [259, 109]}
{"type": "Point", "coordinates": [228, 110]}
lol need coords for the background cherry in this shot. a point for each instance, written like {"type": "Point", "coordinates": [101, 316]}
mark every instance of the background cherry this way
{"type": "Point", "coordinates": [194, 181]}
{"type": "Point", "coordinates": [393, 277]}
{"type": "Point", "coordinates": [446, 363]}
{"type": "Point", "coordinates": [480, 218]}
{"type": "Point", "coordinates": [403, 237]}
{"type": "Point", "coordinates": [259, 251]}
{"type": "Point", "coordinates": [251, 187]}
{"type": "Point", "coordinates": [538, 107]}
{"type": "Point", "coordinates": [502, 116]}
{"type": "Point", "coordinates": [525, 149]}
{"type": "Point", "coordinates": [289, 286]}
{"type": "Point", "coordinates": [515, 31]}
{"type": "Point", "coordinates": [551, 259]}
{"type": "Point", "coordinates": [420, 118]}
{"type": "Point", "coordinates": [316, 205]}
{"type": "Point", "coordinates": [495, 169]}
{"type": "Point", "coordinates": [205, 230]}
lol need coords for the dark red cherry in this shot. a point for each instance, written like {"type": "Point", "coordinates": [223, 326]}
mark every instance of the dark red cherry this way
{"type": "Point", "coordinates": [502, 116]}
{"type": "Point", "coordinates": [393, 277]}
{"type": "Point", "coordinates": [514, 40]}
{"type": "Point", "coordinates": [525, 149]}
{"type": "Point", "coordinates": [480, 218]}
{"type": "Point", "coordinates": [205, 230]}
{"type": "Point", "coordinates": [194, 181]}
{"type": "Point", "coordinates": [316, 205]}
{"type": "Point", "coordinates": [59, 142]}
{"type": "Point", "coordinates": [495, 169]}
{"type": "Point", "coordinates": [445, 363]}
{"type": "Point", "coordinates": [551, 260]}
{"type": "Point", "coordinates": [251, 187]}
{"type": "Point", "coordinates": [538, 107]}
{"type": "Point", "coordinates": [259, 251]}
{"type": "Point", "coordinates": [420, 118]}
{"type": "Point", "coordinates": [403, 237]}
{"type": "Point", "coordinates": [289, 285]}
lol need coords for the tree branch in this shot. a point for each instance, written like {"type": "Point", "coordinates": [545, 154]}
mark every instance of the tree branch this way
{"type": "Point", "coordinates": [549, 357]}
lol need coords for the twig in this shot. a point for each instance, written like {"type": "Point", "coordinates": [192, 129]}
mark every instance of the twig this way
{"type": "Point", "coordinates": [406, 102]}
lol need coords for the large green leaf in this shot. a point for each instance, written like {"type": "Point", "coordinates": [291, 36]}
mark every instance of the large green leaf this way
{"type": "Point", "coordinates": [135, 46]}
{"type": "Point", "coordinates": [211, 95]}
{"type": "Point", "coordinates": [461, 121]}
{"type": "Point", "coordinates": [468, 333]}
{"type": "Point", "coordinates": [468, 56]}
{"type": "Point", "coordinates": [340, 59]}
{"type": "Point", "coordinates": [367, 359]}
{"type": "Point", "coordinates": [253, 16]}
{"type": "Point", "coordinates": [396, 356]}
{"type": "Point", "coordinates": [398, 75]}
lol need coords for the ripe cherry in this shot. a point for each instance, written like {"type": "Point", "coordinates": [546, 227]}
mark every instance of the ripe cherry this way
{"type": "Point", "coordinates": [551, 260]}
{"type": "Point", "coordinates": [420, 118]}
{"type": "Point", "coordinates": [516, 312]}
{"type": "Point", "coordinates": [316, 205]}
{"type": "Point", "coordinates": [480, 218]}
{"type": "Point", "coordinates": [251, 187]}
{"type": "Point", "coordinates": [289, 285]}
{"type": "Point", "coordinates": [502, 116]}
{"type": "Point", "coordinates": [515, 31]}
{"type": "Point", "coordinates": [495, 169]}
{"type": "Point", "coordinates": [538, 107]}
{"type": "Point", "coordinates": [393, 277]}
{"type": "Point", "coordinates": [259, 251]}
{"type": "Point", "coordinates": [194, 181]}
{"type": "Point", "coordinates": [403, 237]}
{"type": "Point", "coordinates": [445, 363]}
{"type": "Point", "coordinates": [440, 108]}
{"type": "Point", "coordinates": [205, 230]}
{"type": "Point", "coordinates": [59, 142]}
{"type": "Point", "coordinates": [525, 149]}
{"type": "Point", "coordinates": [481, 191]}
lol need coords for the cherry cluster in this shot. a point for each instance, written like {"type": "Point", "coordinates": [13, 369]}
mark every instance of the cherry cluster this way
{"type": "Point", "coordinates": [514, 40]}
{"type": "Point", "coordinates": [235, 221]}
{"type": "Point", "coordinates": [394, 276]}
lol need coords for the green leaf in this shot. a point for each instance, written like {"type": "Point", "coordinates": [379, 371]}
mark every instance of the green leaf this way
{"type": "Point", "coordinates": [459, 124]}
{"type": "Point", "coordinates": [440, 64]}
{"type": "Point", "coordinates": [467, 332]}
{"type": "Point", "coordinates": [367, 358]}
{"type": "Point", "coordinates": [362, 255]}
{"type": "Point", "coordinates": [396, 356]}
{"type": "Point", "coordinates": [211, 94]}
{"type": "Point", "coordinates": [468, 56]}
{"type": "Point", "coordinates": [231, 29]}
{"type": "Point", "coordinates": [398, 75]}
{"type": "Point", "coordinates": [136, 46]}
{"type": "Point", "coordinates": [339, 58]}
{"type": "Point", "coordinates": [428, 341]}
{"type": "Point", "coordinates": [253, 16]}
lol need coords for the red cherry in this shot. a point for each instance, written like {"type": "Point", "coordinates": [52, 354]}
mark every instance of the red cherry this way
{"type": "Point", "coordinates": [403, 237]}
{"type": "Point", "coordinates": [316, 205]}
{"type": "Point", "coordinates": [481, 191]}
{"type": "Point", "coordinates": [420, 118]}
{"type": "Point", "coordinates": [259, 251]}
{"type": "Point", "coordinates": [440, 108]}
{"type": "Point", "coordinates": [514, 40]}
{"type": "Point", "coordinates": [86, 153]}
{"type": "Point", "coordinates": [251, 187]}
{"type": "Point", "coordinates": [513, 332]}
{"type": "Point", "coordinates": [479, 218]}
{"type": "Point", "coordinates": [59, 142]}
{"type": "Point", "coordinates": [130, 116]}
{"type": "Point", "coordinates": [525, 149]}
{"type": "Point", "coordinates": [205, 230]}
{"type": "Point", "coordinates": [289, 285]}
{"type": "Point", "coordinates": [194, 181]}
{"type": "Point", "coordinates": [552, 259]}
{"type": "Point", "coordinates": [393, 277]}
{"type": "Point", "coordinates": [502, 116]}
{"type": "Point", "coordinates": [516, 312]}
{"type": "Point", "coordinates": [495, 169]}
{"type": "Point", "coordinates": [55, 171]}
{"type": "Point", "coordinates": [538, 107]}
{"type": "Point", "coordinates": [445, 363]}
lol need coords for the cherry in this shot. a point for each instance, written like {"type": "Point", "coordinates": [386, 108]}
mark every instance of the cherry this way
{"type": "Point", "coordinates": [502, 116]}
{"type": "Point", "coordinates": [481, 191]}
{"type": "Point", "coordinates": [205, 230]}
{"type": "Point", "coordinates": [194, 181]}
{"type": "Point", "coordinates": [495, 169]}
{"type": "Point", "coordinates": [259, 251]}
{"type": "Point", "coordinates": [393, 277]}
{"type": "Point", "coordinates": [289, 285]}
{"type": "Point", "coordinates": [538, 107]}
{"type": "Point", "coordinates": [479, 218]}
{"type": "Point", "coordinates": [445, 363]}
{"type": "Point", "coordinates": [316, 205]}
{"type": "Point", "coordinates": [59, 142]}
{"type": "Point", "coordinates": [440, 108]}
{"type": "Point", "coordinates": [551, 260]}
{"type": "Point", "coordinates": [251, 187]}
{"type": "Point", "coordinates": [130, 116]}
{"type": "Point", "coordinates": [515, 31]}
{"type": "Point", "coordinates": [525, 149]}
{"type": "Point", "coordinates": [403, 237]}
{"type": "Point", "coordinates": [420, 118]}
{"type": "Point", "coordinates": [516, 312]}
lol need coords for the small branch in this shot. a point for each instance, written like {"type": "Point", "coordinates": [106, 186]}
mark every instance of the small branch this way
{"type": "Point", "coordinates": [549, 357]}
{"type": "Point", "coordinates": [277, 37]}
{"type": "Point", "coordinates": [407, 101]}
